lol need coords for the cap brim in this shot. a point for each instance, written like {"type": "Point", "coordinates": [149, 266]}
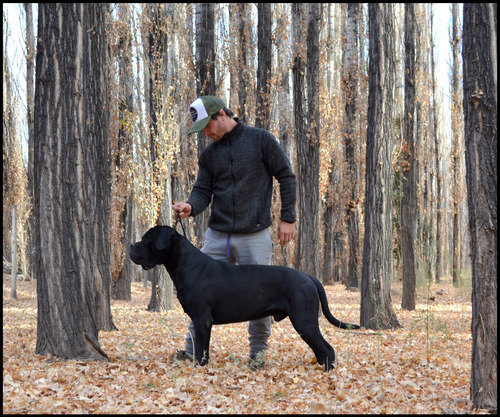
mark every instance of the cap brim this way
{"type": "Point", "coordinates": [199, 125]}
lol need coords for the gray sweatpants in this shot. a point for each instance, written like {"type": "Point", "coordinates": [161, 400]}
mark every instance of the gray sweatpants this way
{"type": "Point", "coordinates": [236, 248]}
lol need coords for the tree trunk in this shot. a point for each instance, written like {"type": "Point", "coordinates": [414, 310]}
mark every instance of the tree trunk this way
{"type": "Point", "coordinates": [241, 68]}
{"type": "Point", "coordinates": [122, 287]}
{"type": "Point", "coordinates": [376, 308]}
{"type": "Point", "coordinates": [409, 199]}
{"type": "Point", "coordinates": [8, 139]}
{"type": "Point", "coordinates": [457, 148]}
{"type": "Point", "coordinates": [299, 111]}
{"type": "Point", "coordinates": [185, 165]}
{"type": "Point", "coordinates": [264, 26]}
{"type": "Point", "coordinates": [326, 272]}
{"type": "Point", "coordinates": [72, 183]}
{"type": "Point", "coordinates": [123, 275]}
{"type": "Point", "coordinates": [162, 288]}
{"type": "Point", "coordinates": [350, 89]}
{"type": "Point", "coordinates": [205, 76]}
{"type": "Point", "coordinates": [30, 97]}
{"type": "Point", "coordinates": [480, 117]}
{"type": "Point", "coordinates": [13, 256]}
{"type": "Point", "coordinates": [306, 102]}
{"type": "Point", "coordinates": [283, 113]}
{"type": "Point", "coordinates": [439, 199]}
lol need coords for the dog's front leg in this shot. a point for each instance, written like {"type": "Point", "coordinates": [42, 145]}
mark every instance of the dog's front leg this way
{"type": "Point", "coordinates": [202, 331]}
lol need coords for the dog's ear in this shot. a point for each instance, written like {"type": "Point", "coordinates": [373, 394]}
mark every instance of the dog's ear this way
{"type": "Point", "coordinates": [163, 239]}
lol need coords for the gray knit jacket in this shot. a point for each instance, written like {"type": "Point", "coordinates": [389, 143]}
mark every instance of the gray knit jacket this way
{"type": "Point", "coordinates": [236, 174]}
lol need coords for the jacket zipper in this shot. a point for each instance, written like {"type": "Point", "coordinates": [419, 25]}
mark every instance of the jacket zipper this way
{"type": "Point", "coordinates": [234, 183]}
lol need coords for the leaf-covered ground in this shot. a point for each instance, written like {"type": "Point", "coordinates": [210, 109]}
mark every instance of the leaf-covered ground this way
{"type": "Point", "coordinates": [422, 368]}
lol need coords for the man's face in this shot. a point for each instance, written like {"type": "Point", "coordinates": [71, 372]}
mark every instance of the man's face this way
{"type": "Point", "coordinates": [215, 129]}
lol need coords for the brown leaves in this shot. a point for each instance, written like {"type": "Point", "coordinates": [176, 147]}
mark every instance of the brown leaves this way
{"type": "Point", "coordinates": [422, 368]}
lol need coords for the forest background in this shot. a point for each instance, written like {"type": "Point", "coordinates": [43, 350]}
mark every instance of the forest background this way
{"type": "Point", "coordinates": [334, 188]}
{"type": "Point", "coordinates": [153, 75]}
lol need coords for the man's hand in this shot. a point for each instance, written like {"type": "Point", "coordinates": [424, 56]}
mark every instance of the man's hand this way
{"type": "Point", "coordinates": [184, 209]}
{"type": "Point", "coordinates": [286, 232]}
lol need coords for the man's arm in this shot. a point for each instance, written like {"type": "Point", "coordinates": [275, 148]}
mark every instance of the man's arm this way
{"type": "Point", "coordinates": [201, 195]}
{"type": "Point", "coordinates": [279, 166]}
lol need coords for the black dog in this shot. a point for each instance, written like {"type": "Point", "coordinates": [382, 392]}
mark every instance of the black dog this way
{"type": "Point", "coordinates": [216, 292]}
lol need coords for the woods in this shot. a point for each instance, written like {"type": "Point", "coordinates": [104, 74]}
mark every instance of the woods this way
{"type": "Point", "coordinates": [397, 181]}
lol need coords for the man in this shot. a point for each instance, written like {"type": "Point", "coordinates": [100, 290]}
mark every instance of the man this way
{"type": "Point", "coordinates": [236, 174]}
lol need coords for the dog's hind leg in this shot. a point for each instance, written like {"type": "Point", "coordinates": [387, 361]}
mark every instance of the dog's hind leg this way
{"type": "Point", "coordinates": [324, 352]}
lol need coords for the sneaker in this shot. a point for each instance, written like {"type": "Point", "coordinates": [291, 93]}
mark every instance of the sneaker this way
{"type": "Point", "coordinates": [257, 361]}
{"type": "Point", "coordinates": [182, 355]}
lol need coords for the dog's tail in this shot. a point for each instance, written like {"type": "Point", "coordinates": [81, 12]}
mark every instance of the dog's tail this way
{"type": "Point", "coordinates": [326, 311]}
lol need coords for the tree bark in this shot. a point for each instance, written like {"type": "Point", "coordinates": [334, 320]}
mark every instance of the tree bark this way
{"type": "Point", "coordinates": [72, 185]}
{"type": "Point", "coordinates": [439, 178]}
{"type": "Point", "coordinates": [409, 199]}
{"type": "Point", "coordinates": [262, 116]}
{"type": "Point", "coordinates": [241, 68]}
{"type": "Point", "coordinates": [162, 286]}
{"type": "Point", "coordinates": [481, 143]}
{"type": "Point", "coordinates": [457, 143]}
{"type": "Point", "coordinates": [13, 256]}
{"type": "Point", "coordinates": [326, 274]}
{"type": "Point", "coordinates": [185, 165]}
{"type": "Point", "coordinates": [121, 283]}
{"type": "Point", "coordinates": [30, 97]}
{"type": "Point", "coordinates": [376, 308]}
{"type": "Point", "coordinates": [350, 89]}
{"type": "Point", "coordinates": [306, 103]}
{"type": "Point", "coordinates": [205, 76]}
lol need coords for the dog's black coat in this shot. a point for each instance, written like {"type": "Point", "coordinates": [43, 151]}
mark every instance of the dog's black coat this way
{"type": "Point", "coordinates": [216, 292]}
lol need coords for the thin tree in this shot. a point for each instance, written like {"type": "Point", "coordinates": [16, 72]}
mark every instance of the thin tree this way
{"type": "Point", "coordinates": [409, 199]}
{"type": "Point", "coordinates": [283, 109]}
{"type": "Point", "coordinates": [72, 182]}
{"type": "Point", "coordinates": [350, 89]}
{"type": "Point", "coordinates": [262, 117]}
{"type": "Point", "coordinates": [30, 98]}
{"type": "Point", "coordinates": [306, 110]}
{"type": "Point", "coordinates": [241, 54]}
{"type": "Point", "coordinates": [439, 178]}
{"type": "Point", "coordinates": [121, 199]}
{"type": "Point", "coordinates": [329, 215]}
{"type": "Point", "coordinates": [481, 144]}
{"type": "Point", "coordinates": [423, 147]}
{"type": "Point", "coordinates": [205, 86]}
{"type": "Point", "coordinates": [14, 178]}
{"type": "Point", "coordinates": [457, 141]}
{"type": "Point", "coordinates": [185, 166]}
{"type": "Point", "coordinates": [160, 15]}
{"type": "Point", "coordinates": [376, 308]}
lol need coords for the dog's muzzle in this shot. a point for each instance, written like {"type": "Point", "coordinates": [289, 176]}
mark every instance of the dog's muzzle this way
{"type": "Point", "coordinates": [137, 259]}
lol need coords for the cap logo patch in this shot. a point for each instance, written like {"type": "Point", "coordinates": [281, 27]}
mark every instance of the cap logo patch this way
{"type": "Point", "coordinates": [194, 114]}
{"type": "Point", "coordinates": [198, 111]}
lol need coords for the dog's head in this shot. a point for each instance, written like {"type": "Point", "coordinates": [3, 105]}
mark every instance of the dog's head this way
{"type": "Point", "coordinates": [151, 250]}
